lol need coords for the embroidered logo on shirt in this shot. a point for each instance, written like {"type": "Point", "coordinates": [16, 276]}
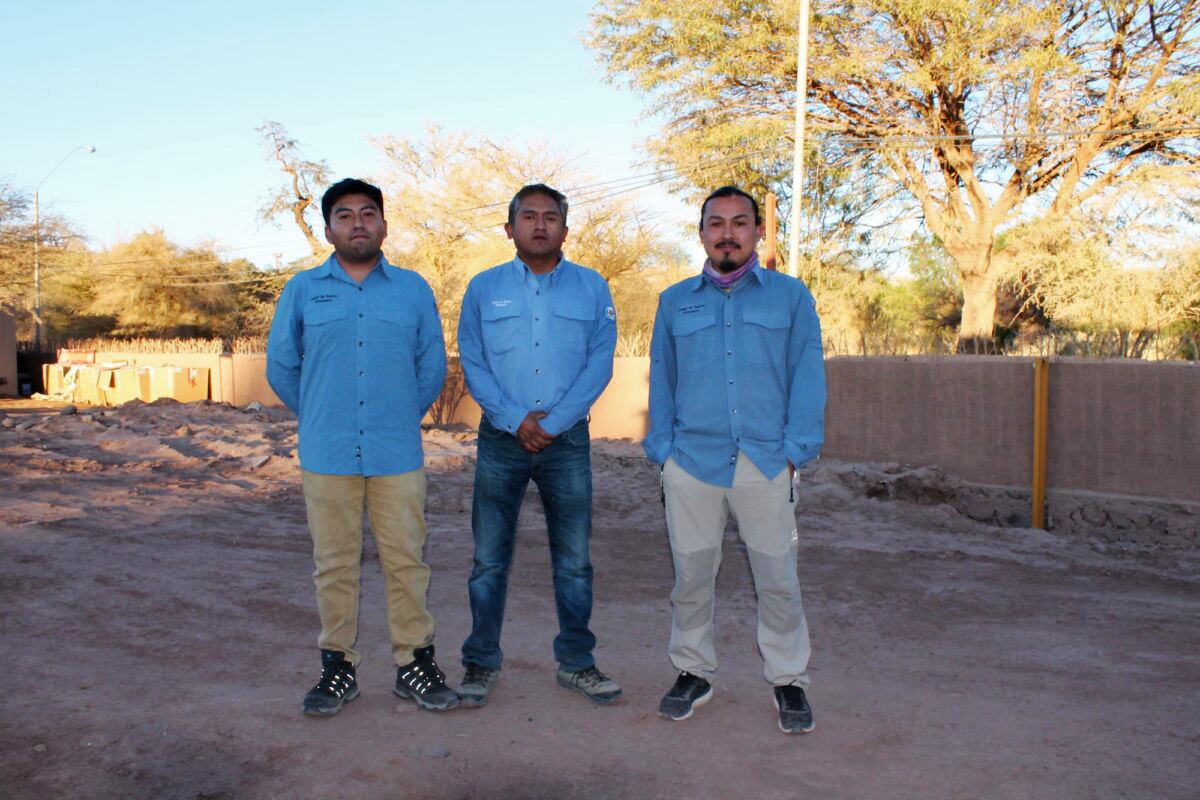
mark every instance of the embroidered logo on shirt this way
{"type": "Point", "coordinates": [324, 298]}
{"type": "Point", "coordinates": [500, 303]}
{"type": "Point", "coordinates": [610, 313]}
{"type": "Point", "coordinates": [692, 309]}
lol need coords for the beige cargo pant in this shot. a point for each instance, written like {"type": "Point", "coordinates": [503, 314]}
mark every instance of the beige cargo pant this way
{"type": "Point", "coordinates": [396, 509]}
{"type": "Point", "coordinates": [696, 517]}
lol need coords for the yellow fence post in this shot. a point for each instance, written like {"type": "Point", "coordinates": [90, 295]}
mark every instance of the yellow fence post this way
{"type": "Point", "coordinates": [1041, 414]}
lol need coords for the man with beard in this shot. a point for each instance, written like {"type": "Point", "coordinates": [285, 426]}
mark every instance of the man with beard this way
{"type": "Point", "coordinates": [737, 399]}
{"type": "Point", "coordinates": [536, 337]}
{"type": "Point", "coordinates": [356, 352]}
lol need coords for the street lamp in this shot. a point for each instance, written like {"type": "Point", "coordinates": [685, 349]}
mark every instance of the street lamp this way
{"type": "Point", "coordinates": [37, 242]}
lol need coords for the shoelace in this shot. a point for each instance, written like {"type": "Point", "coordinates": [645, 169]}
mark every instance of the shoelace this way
{"type": "Point", "coordinates": [334, 681]}
{"type": "Point", "coordinates": [422, 677]}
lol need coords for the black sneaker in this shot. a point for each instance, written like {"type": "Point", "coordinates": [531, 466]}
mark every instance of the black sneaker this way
{"type": "Point", "coordinates": [688, 692]}
{"type": "Point", "coordinates": [477, 684]}
{"type": "Point", "coordinates": [591, 683]}
{"type": "Point", "coordinates": [795, 714]}
{"type": "Point", "coordinates": [338, 685]}
{"type": "Point", "coordinates": [423, 682]}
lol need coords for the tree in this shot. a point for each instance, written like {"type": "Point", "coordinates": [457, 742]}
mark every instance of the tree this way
{"type": "Point", "coordinates": [304, 180]}
{"type": "Point", "coordinates": [989, 114]}
{"type": "Point", "coordinates": [17, 232]}
{"type": "Point", "coordinates": [152, 287]}
{"type": "Point", "coordinates": [446, 201]}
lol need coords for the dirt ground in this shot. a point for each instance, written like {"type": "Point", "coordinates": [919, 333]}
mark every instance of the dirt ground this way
{"type": "Point", "coordinates": [159, 631]}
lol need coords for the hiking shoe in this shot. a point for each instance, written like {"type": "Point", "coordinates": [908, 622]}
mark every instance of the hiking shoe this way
{"type": "Point", "coordinates": [591, 683]}
{"type": "Point", "coordinates": [688, 692]}
{"type": "Point", "coordinates": [795, 714]}
{"type": "Point", "coordinates": [338, 685]}
{"type": "Point", "coordinates": [423, 682]}
{"type": "Point", "coordinates": [477, 684]}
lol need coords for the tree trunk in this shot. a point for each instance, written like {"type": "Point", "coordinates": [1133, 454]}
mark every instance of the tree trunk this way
{"type": "Point", "coordinates": [976, 332]}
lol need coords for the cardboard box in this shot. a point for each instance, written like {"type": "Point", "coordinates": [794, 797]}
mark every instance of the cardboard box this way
{"type": "Point", "coordinates": [185, 384]}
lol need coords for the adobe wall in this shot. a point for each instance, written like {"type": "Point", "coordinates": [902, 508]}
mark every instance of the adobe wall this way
{"type": "Point", "coordinates": [8, 355]}
{"type": "Point", "coordinates": [1116, 427]}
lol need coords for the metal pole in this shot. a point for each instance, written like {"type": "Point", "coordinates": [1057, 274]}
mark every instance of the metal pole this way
{"type": "Point", "coordinates": [37, 244]}
{"type": "Point", "coordinates": [1041, 419]}
{"type": "Point", "coordinates": [771, 247]}
{"type": "Point", "coordinates": [798, 153]}
{"type": "Point", "coordinates": [37, 273]}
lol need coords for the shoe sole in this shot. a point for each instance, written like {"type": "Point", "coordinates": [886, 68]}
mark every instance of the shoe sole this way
{"type": "Point", "coordinates": [329, 712]}
{"type": "Point", "coordinates": [422, 703]}
{"type": "Point", "coordinates": [472, 700]}
{"type": "Point", "coordinates": [809, 729]}
{"type": "Point", "coordinates": [699, 701]}
{"type": "Point", "coordinates": [598, 699]}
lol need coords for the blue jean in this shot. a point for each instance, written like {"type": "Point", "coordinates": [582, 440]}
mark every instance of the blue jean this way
{"type": "Point", "coordinates": [563, 474]}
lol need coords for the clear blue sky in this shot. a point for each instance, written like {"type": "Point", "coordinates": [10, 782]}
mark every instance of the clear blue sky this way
{"type": "Point", "coordinates": [171, 94]}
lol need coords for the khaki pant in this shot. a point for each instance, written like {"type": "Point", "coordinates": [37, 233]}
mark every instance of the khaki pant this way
{"type": "Point", "coordinates": [696, 516]}
{"type": "Point", "coordinates": [395, 506]}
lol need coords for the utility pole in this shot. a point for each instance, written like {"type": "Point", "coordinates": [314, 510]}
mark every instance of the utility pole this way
{"type": "Point", "coordinates": [798, 155]}
{"type": "Point", "coordinates": [37, 246]}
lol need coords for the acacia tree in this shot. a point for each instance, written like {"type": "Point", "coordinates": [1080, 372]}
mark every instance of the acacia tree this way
{"type": "Point", "coordinates": [446, 201]}
{"type": "Point", "coordinates": [989, 113]}
{"type": "Point", "coordinates": [304, 180]}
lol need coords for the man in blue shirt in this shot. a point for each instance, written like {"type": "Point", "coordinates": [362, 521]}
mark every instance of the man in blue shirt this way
{"type": "Point", "coordinates": [536, 337]}
{"type": "Point", "coordinates": [737, 400]}
{"type": "Point", "coordinates": [356, 352]}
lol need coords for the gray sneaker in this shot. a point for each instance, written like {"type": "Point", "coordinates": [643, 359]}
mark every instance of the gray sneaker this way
{"type": "Point", "coordinates": [591, 683]}
{"type": "Point", "coordinates": [477, 684]}
{"type": "Point", "coordinates": [688, 692]}
{"type": "Point", "coordinates": [795, 714]}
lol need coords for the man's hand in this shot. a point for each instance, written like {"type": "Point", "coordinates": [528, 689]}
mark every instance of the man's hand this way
{"type": "Point", "coordinates": [530, 435]}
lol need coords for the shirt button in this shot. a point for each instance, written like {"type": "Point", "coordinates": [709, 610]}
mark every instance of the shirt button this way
{"type": "Point", "coordinates": [360, 402]}
{"type": "Point", "coordinates": [728, 352]}
{"type": "Point", "coordinates": [360, 288]}
{"type": "Point", "coordinates": [735, 411]}
{"type": "Point", "coordinates": [728, 324]}
{"type": "Point", "coordinates": [731, 381]}
{"type": "Point", "coordinates": [360, 433]}
{"type": "Point", "coordinates": [360, 344]}
{"type": "Point", "coordinates": [361, 373]}
{"type": "Point", "coordinates": [535, 344]}
{"type": "Point", "coordinates": [360, 316]}
{"type": "Point", "coordinates": [535, 319]}
{"type": "Point", "coordinates": [537, 372]}
{"type": "Point", "coordinates": [537, 402]}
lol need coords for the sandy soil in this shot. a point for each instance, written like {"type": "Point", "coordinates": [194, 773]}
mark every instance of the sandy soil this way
{"type": "Point", "coordinates": [159, 631]}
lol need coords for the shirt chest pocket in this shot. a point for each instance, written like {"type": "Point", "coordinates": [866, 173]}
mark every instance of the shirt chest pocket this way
{"type": "Point", "coordinates": [502, 327]}
{"type": "Point", "coordinates": [696, 343]}
{"type": "Point", "coordinates": [397, 325]}
{"type": "Point", "coordinates": [321, 322]}
{"type": "Point", "coordinates": [766, 334]}
{"type": "Point", "coordinates": [572, 327]}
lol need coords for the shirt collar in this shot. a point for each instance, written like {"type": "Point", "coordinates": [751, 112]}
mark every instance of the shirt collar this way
{"type": "Point", "coordinates": [521, 269]}
{"type": "Point", "coordinates": [332, 269]}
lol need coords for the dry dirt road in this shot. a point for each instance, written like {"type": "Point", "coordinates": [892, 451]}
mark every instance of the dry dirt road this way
{"type": "Point", "coordinates": [159, 631]}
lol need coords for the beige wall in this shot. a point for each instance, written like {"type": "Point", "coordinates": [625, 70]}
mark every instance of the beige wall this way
{"type": "Point", "coordinates": [1116, 427]}
{"type": "Point", "coordinates": [8, 355]}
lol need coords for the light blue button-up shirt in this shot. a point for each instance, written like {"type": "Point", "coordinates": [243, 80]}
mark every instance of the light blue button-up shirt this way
{"type": "Point", "coordinates": [359, 364]}
{"type": "Point", "coordinates": [529, 345]}
{"type": "Point", "coordinates": [738, 370]}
